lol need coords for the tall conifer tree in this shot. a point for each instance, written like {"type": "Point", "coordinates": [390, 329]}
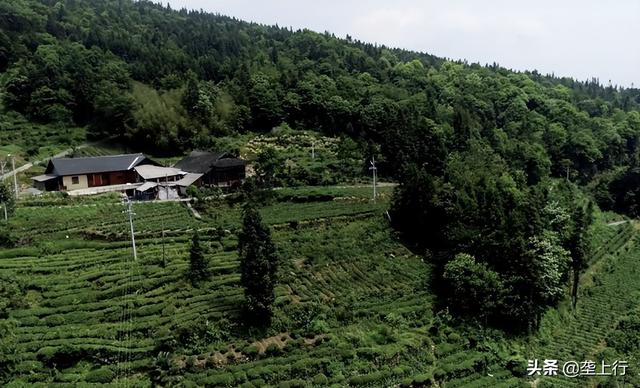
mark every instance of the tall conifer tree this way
{"type": "Point", "coordinates": [258, 266]}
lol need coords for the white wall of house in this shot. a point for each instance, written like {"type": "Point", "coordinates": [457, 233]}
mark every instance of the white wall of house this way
{"type": "Point", "coordinates": [67, 181]}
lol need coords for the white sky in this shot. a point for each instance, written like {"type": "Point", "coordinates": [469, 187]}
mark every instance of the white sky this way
{"type": "Point", "coordinates": [576, 38]}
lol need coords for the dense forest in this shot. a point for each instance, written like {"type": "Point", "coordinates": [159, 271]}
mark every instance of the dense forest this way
{"type": "Point", "coordinates": [491, 163]}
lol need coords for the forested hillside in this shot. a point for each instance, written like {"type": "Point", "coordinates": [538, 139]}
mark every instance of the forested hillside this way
{"type": "Point", "coordinates": [500, 172]}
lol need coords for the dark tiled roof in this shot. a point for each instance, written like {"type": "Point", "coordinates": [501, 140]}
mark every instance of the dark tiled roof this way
{"type": "Point", "coordinates": [95, 164]}
{"type": "Point", "coordinates": [201, 162]}
{"type": "Point", "coordinates": [229, 162]}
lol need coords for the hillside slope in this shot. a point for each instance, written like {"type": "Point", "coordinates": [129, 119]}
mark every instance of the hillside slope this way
{"type": "Point", "coordinates": [357, 311]}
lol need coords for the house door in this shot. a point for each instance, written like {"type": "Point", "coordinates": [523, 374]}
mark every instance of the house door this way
{"type": "Point", "coordinates": [97, 180]}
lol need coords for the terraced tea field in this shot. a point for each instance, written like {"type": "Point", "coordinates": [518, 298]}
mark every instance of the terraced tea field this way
{"type": "Point", "coordinates": [353, 306]}
{"type": "Point", "coordinates": [609, 290]}
{"type": "Point", "coordinates": [90, 311]}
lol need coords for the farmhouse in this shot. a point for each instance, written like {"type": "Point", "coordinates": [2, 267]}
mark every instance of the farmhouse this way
{"type": "Point", "coordinates": [153, 173]}
{"type": "Point", "coordinates": [217, 169]}
{"type": "Point", "coordinates": [166, 188]}
{"type": "Point", "coordinates": [69, 174]}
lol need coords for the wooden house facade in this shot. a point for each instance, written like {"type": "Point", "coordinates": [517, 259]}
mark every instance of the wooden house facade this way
{"type": "Point", "coordinates": [67, 174]}
{"type": "Point", "coordinates": [217, 169]}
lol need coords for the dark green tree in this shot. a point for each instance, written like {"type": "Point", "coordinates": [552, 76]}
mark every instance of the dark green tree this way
{"type": "Point", "coordinates": [198, 264]}
{"type": "Point", "coordinates": [7, 200]}
{"type": "Point", "coordinates": [475, 289]}
{"type": "Point", "coordinates": [191, 94]}
{"type": "Point", "coordinates": [258, 266]}
{"type": "Point", "coordinates": [579, 246]}
{"type": "Point", "coordinates": [11, 296]}
{"type": "Point", "coordinates": [269, 166]}
{"type": "Point", "coordinates": [9, 355]}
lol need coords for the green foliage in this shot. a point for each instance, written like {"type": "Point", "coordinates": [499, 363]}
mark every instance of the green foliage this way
{"type": "Point", "coordinates": [7, 237]}
{"type": "Point", "coordinates": [475, 289]}
{"type": "Point", "coordinates": [199, 333]}
{"type": "Point", "coordinates": [626, 336]}
{"type": "Point", "coordinates": [269, 167]}
{"type": "Point", "coordinates": [64, 82]}
{"type": "Point", "coordinates": [7, 200]}
{"type": "Point", "coordinates": [160, 120]}
{"type": "Point", "coordinates": [198, 263]}
{"type": "Point", "coordinates": [9, 356]}
{"type": "Point", "coordinates": [258, 266]}
{"type": "Point", "coordinates": [101, 376]}
{"type": "Point", "coordinates": [550, 263]}
{"type": "Point", "coordinates": [478, 150]}
{"type": "Point", "coordinates": [11, 295]}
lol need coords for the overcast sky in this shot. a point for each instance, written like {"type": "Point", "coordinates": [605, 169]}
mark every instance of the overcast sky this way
{"type": "Point", "coordinates": [577, 38]}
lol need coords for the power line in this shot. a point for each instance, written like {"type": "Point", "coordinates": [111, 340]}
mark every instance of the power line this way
{"type": "Point", "coordinates": [166, 188]}
{"type": "Point", "coordinates": [127, 314]}
{"type": "Point", "coordinates": [3, 164]}
{"type": "Point", "coordinates": [15, 174]}
{"type": "Point", "coordinates": [374, 171]}
{"type": "Point", "coordinates": [130, 212]}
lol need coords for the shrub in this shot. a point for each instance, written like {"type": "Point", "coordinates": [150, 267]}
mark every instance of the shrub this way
{"type": "Point", "coordinates": [297, 383]}
{"type": "Point", "coordinates": [422, 380]}
{"type": "Point", "coordinates": [369, 353]}
{"type": "Point", "coordinates": [62, 357]}
{"type": "Point", "coordinates": [319, 326]}
{"type": "Point", "coordinates": [102, 375]}
{"type": "Point", "coordinates": [221, 380]}
{"type": "Point", "coordinates": [7, 238]}
{"type": "Point", "coordinates": [398, 371]}
{"type": "Point", "coordinates": [454, 337]}
{"type": "Point", "coordinates": [190, 363]}
{"type": "Point", "coordinates": [273, 350]}
{"type": "Point", "coordinates": [54, 320]}
{"type": "Point", "coordinates": [240, 377]}
{"type": "Point", "coordinates": [406, 383]}
{"type": "Point", "coordinates": [320, 379]}
{"type": "Point", "coordinates": [439, 374]}
{"type": "Point", "coordinates": [516, 365]}
{"type": "Point", "coordinates": [251, 351]}
{"type": "Point", "coordinates": [367, 379]}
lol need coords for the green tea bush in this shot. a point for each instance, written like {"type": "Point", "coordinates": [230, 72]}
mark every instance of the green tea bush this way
{"type": "Point", "coordinates": [102, 375]}
{"type": "Point", "coordinates": [240, 377]}
{"type": "Point", "coordinates": [54, 320]}
{"type": "Point", "coordinates": [273, 350]}
{"type": "Point", "coordinates": [368, 378]}
{"type": "Point", "coordinates": [250, 351]}
{"type": "Point", "coordinates": [221, 380]}
{"type": "Point", "coordinates": [422, 380]}
{"type": "Point", "coordinates": [297, 383]}
{"type": "Point", "coordinates": [7, 238]}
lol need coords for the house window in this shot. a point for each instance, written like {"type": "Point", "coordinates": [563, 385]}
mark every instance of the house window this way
{"type": "Point", "coordinates": [75, 180]}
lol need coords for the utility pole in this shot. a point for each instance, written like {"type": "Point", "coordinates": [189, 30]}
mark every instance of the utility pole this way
{"type": "Point", "coordinates": [374, 170]}
{"type": "Point", "coordinates": [164, 257]}
{"type": "Point", "coordinates": [15, 175]}
{"type": "Point", "coordinates": [313, 150]}
{"type": "Point", "coordinates": [166, 186]}
{"type": "Point", "coordinates": [3, 163]}
{"type": "Point", "coordinates": [130, 212]}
